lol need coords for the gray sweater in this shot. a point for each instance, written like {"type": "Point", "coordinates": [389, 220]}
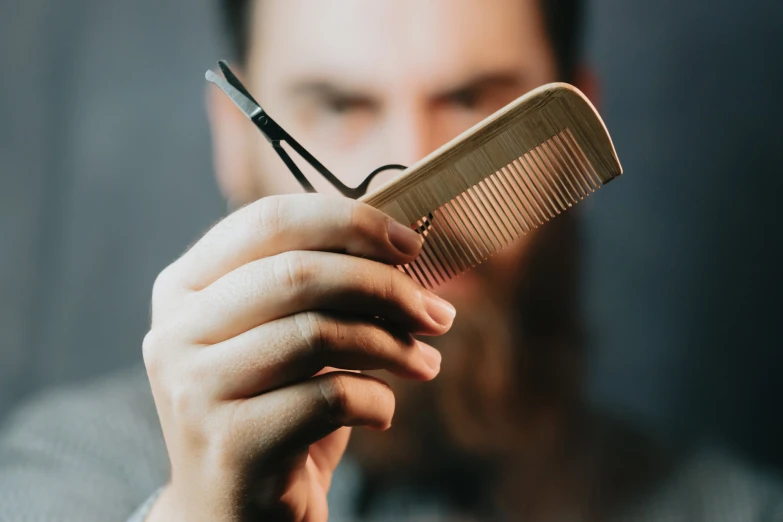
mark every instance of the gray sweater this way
{"type": "Point", "coordinates": [95, 453]}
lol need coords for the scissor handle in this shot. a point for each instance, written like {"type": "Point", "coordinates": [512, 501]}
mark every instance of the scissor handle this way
{"type": "Point", "coordinates": [276, 134]}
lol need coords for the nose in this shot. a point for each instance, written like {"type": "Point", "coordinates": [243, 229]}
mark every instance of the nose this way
{"type": "Point", "coordinates": [408, 138]}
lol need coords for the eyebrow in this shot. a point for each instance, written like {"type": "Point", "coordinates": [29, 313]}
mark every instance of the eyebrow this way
{"type": "Point", "coordinates": [324, 88]}
{"type": "Point", "coordinates": [503, 79]}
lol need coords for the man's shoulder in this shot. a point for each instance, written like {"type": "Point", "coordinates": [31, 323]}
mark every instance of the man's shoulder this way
{"type": "Point", "coordinates": [112, 418]}
{"type": "Point", "coordinates": [715, 485]}
{"type": "Point", "coordinates": [122, 395]}
{"type": "Point", "coordinates": [67, 443]}
{"type": "Point", "coordinates": [698, 482]}
{"type": "Point", "coordinates": [728, 483]}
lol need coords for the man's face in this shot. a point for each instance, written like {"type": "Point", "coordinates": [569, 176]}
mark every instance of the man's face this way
{"type": "Point", "coordinates": [367, 83]}
{"type": "Point", "coordinates": [363, 84]}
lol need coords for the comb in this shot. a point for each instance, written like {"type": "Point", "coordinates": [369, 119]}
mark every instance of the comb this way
{"type": "Point", "coordinates": [502, 178]}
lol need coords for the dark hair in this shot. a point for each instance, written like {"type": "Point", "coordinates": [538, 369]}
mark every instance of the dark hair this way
{"type": "Point", "coordinates": [563, 20]}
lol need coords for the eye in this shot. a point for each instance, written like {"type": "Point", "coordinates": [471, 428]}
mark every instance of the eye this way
{"type": "Point", "coordinates": [468, 98]}
{"type": "Point", "coordinates": [340, 119]}
{"type": "Point", "coordinates": [343, 105]}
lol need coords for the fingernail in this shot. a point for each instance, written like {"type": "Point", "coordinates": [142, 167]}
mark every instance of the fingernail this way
{"type": "Point", "coordinates": [440, 310]}
{"type": "Point", "coordinates": [430, 355]}
{"type": "Point", "coordinates": [404, 238]}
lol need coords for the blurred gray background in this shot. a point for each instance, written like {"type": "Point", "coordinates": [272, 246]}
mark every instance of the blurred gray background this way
{"type": "Point", "coordinates": [105, 177]}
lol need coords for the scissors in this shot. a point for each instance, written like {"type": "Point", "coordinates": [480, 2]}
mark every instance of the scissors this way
{"type": "Point", "coordinates": [275, 135]}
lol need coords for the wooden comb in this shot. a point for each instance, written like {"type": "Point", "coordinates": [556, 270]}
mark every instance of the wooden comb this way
{"type": "Point", "coordinates": [504, 177]}
{"type": "Point", "coordinates": [507, 175]}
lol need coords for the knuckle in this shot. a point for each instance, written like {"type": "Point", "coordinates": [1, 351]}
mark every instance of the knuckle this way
{"type": "Point", "coordinates": [180, 400]}
{"type": "Point", "coordinates": [158, 348]}
{"type": "Point", "coordinates": [386, 285]}
{"type": "Point", "coordinates": [366, 339]}
{"type": "Point", "coordinates": [150, 349]}
{"type": "Point", "coordinates": [164, 283]}
{"type": "Point", "coordinates": [406, 345]}
{"type": "Point", "coordinates": [356, 218]}
{"type": "Point", "coordinates": [315, 331]}
{"type": "Point", "coordinates": [185, 403]}
{"type": "Point", "coordinates": [364, 222]}
{"type": "Point", "coordinates": [335, 394]}
{"type": "Point", "coordinates": [269, 215]}
{"type": "Point", "coordinates": [293, 270]}
{"type": "Point", "coordinates": [188, 412]}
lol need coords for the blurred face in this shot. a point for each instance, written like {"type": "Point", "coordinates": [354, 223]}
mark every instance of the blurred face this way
{"type": "Point", "coordinates": [367, 83]}
{"type": "Point", "coordinates": [363, 84]}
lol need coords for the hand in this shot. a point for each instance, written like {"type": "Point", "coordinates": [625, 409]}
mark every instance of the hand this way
{"type": "Point", "coordinates": [248, 328]}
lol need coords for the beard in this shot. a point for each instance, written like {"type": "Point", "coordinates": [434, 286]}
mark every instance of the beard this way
{"type": "Point", "coordinates": [510, 377]}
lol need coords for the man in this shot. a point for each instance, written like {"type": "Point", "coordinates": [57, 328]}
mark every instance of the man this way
{"type": "Point", "coordinates": [258, 329]}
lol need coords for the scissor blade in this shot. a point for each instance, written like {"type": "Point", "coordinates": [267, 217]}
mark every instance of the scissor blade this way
{"type": "Point", "coordinates": [234, 81]}
{"type": "Point", "coordinates": [246, 105]}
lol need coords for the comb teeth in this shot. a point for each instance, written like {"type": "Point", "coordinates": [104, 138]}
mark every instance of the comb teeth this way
{"type": "Point", "coordinates": [505, 177]}
{"type": "Point", "coordinates": [490, 215]}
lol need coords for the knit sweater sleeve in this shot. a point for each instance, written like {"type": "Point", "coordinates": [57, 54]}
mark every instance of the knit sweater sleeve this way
{"type": "Point", "coordinates": [92, 453]}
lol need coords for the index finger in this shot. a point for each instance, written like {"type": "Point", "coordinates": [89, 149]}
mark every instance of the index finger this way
{"type": "Point", "coordinates": [278, 224]}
